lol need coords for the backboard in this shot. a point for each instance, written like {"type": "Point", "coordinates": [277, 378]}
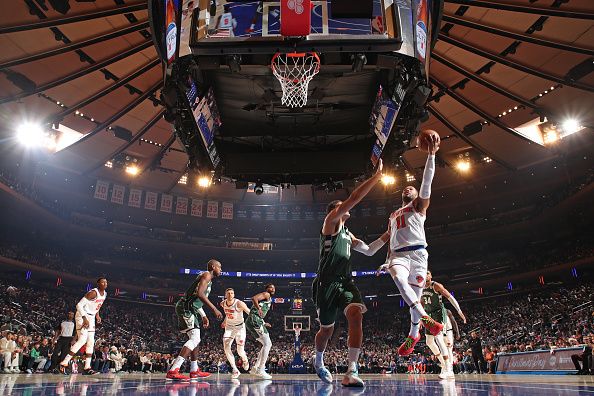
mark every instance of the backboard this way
{"type": "Point", "coordinates": [292, 321]}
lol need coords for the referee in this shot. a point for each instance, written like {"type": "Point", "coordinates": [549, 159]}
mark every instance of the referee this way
{"type": "Point", "coordinates": [62, 340]}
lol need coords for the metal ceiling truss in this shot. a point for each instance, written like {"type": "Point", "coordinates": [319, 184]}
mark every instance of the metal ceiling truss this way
{"type": "Point", "coordinates": [524, 9]}
{"type": "Point", "coordinates": [469, 141]}
{"type": "Point", "coordinates": [119, 114]}
{"type": "Point", "coordinates": [475, 109]}
{"type": "Point", "coordinates": [517, 36]}
{"type": "Point", "coordinates": [58, 117]}
{"type": "Point", "coordinates": [99, 65]}
{"type": "Point", "coordinates": [129, 144]}
{"type": "Point", "coordinates": [75, 18]}
{"type": "Point", "coordinates": [507, 62]}
{"type": "Point", "coordinates": [159, 156]}
{"type": "Point", "coordinates": [74, 46]}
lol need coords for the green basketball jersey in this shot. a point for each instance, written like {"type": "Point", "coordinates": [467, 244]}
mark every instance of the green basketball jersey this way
{"type": "Point", "coordinates": [335, 254]}
{"type": "Point", "coordinates": [432, 300]}
{"type": "Point", "coordinates": [189, 300]}
{"type": "Point", "coordinates": [264, 306]}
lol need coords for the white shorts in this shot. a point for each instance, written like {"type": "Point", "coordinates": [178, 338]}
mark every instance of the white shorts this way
{"type": "Point", "coordinates": [78, 320]}
{"type": "Point", "coordinates": [236, 333]}
{"type": "Point", "coordinates": [415, 262]}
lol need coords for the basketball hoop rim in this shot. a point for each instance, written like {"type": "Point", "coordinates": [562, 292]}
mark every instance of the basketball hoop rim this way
{"type": "Point", "coordinates": [296, 55]}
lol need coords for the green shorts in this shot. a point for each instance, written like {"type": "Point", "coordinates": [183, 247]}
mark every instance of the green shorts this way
{"type": "Point", "coordinates": [330, 296]}
{"type": "Point", "coordinates": [186, 320]}
{"type": "Point", "coordinates": [438, 316]}
{"type": "Point", "coordinates": [254, 326]}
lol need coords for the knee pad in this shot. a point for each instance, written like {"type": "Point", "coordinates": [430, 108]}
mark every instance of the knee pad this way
{"type": "Point", "coordinates": [193, 339]}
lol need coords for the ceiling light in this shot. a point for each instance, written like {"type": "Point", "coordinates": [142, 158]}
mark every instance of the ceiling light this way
{"type": "Point", "coordinates": [132, 170]}
{"type": "Point", "coordinates": [571, 125]}
{"type": "Point", "coordinates": [183, 179]}
{"type": "Point", "coordinates": [30, 134]}
{"type": "Point", "coordinates": [463, 166]}
{"type": "Point", "coordinates": [204, 181]}
{"type": "Point", "coordinates": [109, 164]}
{"type": "Point", "coordinates": [388, 180]}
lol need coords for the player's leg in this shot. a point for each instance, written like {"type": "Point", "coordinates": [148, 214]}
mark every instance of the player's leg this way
{"type": "Point", "coordinates": [448, 336]}
{"type": "Point", "coordinates": [81, 339]}
{"type": "Point", "coordinates": [240, 342]}
{"type": "Point", "coordinates": [327, 311]}
{"type": "Point", "coordinates": [187, 325]}
{"type": "Point", "coordinates": [264, 339]}
{"type": "Point", "coordinates": [195, 371]}
{"type": "Point", "coordinates": [354, 309]}
{"type": "Point", "coordinates": [416, 279]}
{"type": "Point", "coordinates": [228, 338]}
{"type": "Point", "coordinates": [430, 341]}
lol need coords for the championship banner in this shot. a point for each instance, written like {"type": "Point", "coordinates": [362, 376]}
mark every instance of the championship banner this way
{"type": "Point", "coordinates": [101, 189]}
{"type": "Point", "coordinates": [196, 208]}
{"type": "Point", "coordinates": [150, 200]}
{"type": "Point", "coordinates": [135, 198]}
{"type": "Point", "coordinates": [212, 210]}
{"type": "Point", "coordinates": [227, 211]}
{"type": "Point", "coordinates": [117, 194]}
{"type": "Point", "coordinates": [181, 206]}
{"type": "Point", "coordinates": [166, 203]}
{"type": "Point", "coordinates": [538, 362]}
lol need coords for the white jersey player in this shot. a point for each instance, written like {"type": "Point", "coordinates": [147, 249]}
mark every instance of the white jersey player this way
{"type": "Point", "coordinates": [407, 255]}
{"type": "Point", "coordinates": [87, 314]}
{"type": "Point", "coordinates": [234, 326]}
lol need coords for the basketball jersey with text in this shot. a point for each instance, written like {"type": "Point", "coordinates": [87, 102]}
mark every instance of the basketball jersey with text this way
{"type": "Point", "coordinates": [407, 228]}
{"type": "Point", "coordinates": [93, 306]}
{"type": "Point", "coordinates": [233, 315]}
{"type": "Point", "coordinates": [335, 254]}
{"type": "Point", "coordinates": [190, 300]}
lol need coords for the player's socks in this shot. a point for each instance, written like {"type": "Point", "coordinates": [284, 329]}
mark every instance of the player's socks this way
{"type": "Point", "coordinates": [353, 357]}
{"type": "Point", "coordinates": [414, 329]}
{"type": "Point", "coordinates": [319, 359]}
{"type": "Point", "coordinates": [66, 360]}
{"type": "Point", "coordinates": [177, 363]}
{"type": "Point", "coordinates": [193, 365]}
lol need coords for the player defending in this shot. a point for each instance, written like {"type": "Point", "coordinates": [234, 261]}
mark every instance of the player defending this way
{"type": "Point", "coordinates": [256, 326]}
{"type": "Point", "coordinates": [187, 308]}
{"type": "Point", "coordinates": [334, 289]}
{"type": "Point", "coordinates": [407, 256]}
{"type": "Point", "coordinates": [442, 345]}
{"type": "Point", "coordinates": [234, 330]}
{"type": "Point", "coordinates": [87, 314]}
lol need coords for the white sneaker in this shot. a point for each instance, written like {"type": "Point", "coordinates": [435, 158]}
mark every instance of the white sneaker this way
{"type": "Point", "coordinates": [444, 373]}
{"type": "Point", "coordinates": [235, 374]}
{"type": "Point", "coordinates": [254, 370]}
{"type": "Point", "coordinates": [263, 374]}
{"type": "Point", "coordinates": [351, 379]}
{"type": "Point", "coordinates": [246, 365]}
{"type": "Point", "coordinates": [7, 370]}
{"type": "Point", "coordinates": [451, 374]}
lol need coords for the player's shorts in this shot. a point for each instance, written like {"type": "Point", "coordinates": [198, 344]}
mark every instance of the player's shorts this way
{"type": "Point", "coordinates": [333, 295]}
{"type": "Point", "coordinates": [414, 261]}
{"type": "Point", "coordinates": [78, 321]}
{"type": "Point", "coordinates": [186, 320]}
{"type": "Point", "coordinates": [237, 333]}
{"type": "Point", "coordinates": [441, 317]}
{"type": "Point", "coordinates": [254, 325]}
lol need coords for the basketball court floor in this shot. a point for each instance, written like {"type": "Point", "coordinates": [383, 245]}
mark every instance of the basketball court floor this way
{"type": "Point", "coordinates": [306, 385]}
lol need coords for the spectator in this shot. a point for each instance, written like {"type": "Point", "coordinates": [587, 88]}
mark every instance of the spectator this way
{"type": "Point", "coordinates": [62, 340]}
{"type": "Point", "coordinates": [476, 347]}
{"type": "Point", "coordinates": [585, 357]}
{"type": "Point", "coordinates": [10, 353]}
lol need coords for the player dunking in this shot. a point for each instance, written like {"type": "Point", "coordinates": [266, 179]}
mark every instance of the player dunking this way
{"type": "Point", "coordinates": [87, 314]}
{"type": "Point", "coordinates": [257, 328]}
{"type": "Point", "coordinates": [187, 308]}
{"type": "Point", "coordinates": [234, 326]}
{"type": "Point", "coordinates": [334, 289]}
{"type": "Point", "coordinates": [441, 345]}
{"type": "Point", "coordinates": [407, 256]}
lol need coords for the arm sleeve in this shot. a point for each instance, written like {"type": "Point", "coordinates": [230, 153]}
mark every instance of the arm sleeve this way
{"type": "Point", "coordinates": [201, 312]}
{"type": "Point", "coordinates": [80, 307]}
{"type": "Point", "coordinates": [370, 250]}
{"type": "Point", "coordinates": [425, 191]}
{"type": "Point", "coordinates": [453, 301]}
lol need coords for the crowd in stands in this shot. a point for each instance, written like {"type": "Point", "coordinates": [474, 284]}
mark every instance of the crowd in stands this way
{"type": "Point", "coordinates": [143, 337]}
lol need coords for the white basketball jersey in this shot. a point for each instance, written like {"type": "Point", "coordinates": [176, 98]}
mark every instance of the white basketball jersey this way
{"type": "Point", "coordinates": [407, 228]}
{"type": "Point", "coordinates": [234, 315]}
{"type": "Point", "coordinates": [93, 306]}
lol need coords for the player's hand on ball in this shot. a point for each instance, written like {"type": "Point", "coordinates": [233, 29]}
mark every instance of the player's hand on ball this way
{"type": "Point", "coordinates": [433, 144]}
{"type": "Point", "coordinates": [218, 314]}
{"type": "Point", "coordinates": [205, 322]}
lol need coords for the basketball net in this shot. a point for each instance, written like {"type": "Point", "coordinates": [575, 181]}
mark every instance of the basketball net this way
{"type": "Point", "coordinates": [297, 330]}
{"type": "Point", "coordinates": [294, 71]}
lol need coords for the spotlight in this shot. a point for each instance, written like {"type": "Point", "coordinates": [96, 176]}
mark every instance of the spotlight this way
{"type": "Point", "coordinates": [259, 188]}
{"type": "Point", "coordinates": [410, 178]}
{"type": "Point", "coordinates": [204, 181]}
{"type": "Point", "coordinates": [30, 134]}
{"type": "Point", "coordinates": [109, 164]}
{"type": "Point", "coordinates": [571, 125]}
{"type": "Point", "coordinates": [550, 137]}
{"type": "Point", "coordinates": [132, 170]}
{"type": "Point", "coordinates": [463, 166]}
{"type": "Point", "coordinates": [183, 179]}
{"type": "Point", "coordinates": [388, 180]}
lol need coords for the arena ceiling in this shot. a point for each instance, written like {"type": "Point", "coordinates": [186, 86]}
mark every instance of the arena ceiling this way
{"type": "Point", "coordinates": [93, 67]}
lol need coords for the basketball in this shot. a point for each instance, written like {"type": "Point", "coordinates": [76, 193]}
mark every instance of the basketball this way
{"type": "Point", "coordinates": [425, 137]}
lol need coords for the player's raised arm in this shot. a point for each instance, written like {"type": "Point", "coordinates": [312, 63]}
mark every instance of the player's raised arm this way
{"type": "Point", "coordinates": [371, 249]}
{"type": "Point", "coordinates": [438, 287]}
{"type": "Point", "coordinates": [422, 202]}
{"type": "Point", "coordinates": [200, 292]}
{"type": "Point", "coordinates": [243, 306]}
{"type": "Point", "coordinates": [356, 196]}
{"type": "Point", "coordinates": [256, 301]}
